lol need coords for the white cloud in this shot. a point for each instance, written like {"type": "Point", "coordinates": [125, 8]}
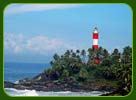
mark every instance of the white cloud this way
{"type": "Point", "coordinates": [43, 43]}
{"type": "Point", "coordinates": [40, 44]}
{"type": "Point", "coordinates": [21, 8]}
{"type": "Point", "coordinates": [12, 42]}
{"type": "Point", "coordinates": [17, 49]}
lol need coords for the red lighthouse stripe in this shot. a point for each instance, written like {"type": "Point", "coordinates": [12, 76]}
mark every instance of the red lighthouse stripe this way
{"type": "Point", "coordinates": [95, 36]}
{"type": "Point", "coordinates": [95, 46]}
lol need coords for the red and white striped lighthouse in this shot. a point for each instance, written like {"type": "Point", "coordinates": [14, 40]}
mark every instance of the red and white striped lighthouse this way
{"type": "Point", "coordinates": [95, 38]}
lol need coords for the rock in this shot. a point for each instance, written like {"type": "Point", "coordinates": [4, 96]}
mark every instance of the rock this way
{"type": "Point", "coordinates": [39, 83]}
{"type": "Point", "coordinates": [8, 84]}
{"type": "Point", "coordinates": [16, 86]}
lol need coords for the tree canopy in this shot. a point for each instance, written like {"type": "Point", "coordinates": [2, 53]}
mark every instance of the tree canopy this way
{"type": "Point", "coordinates": [82, 67]}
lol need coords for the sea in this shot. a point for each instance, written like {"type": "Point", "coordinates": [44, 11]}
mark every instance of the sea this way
{"type": "Point", "coordinates": [16, 71]}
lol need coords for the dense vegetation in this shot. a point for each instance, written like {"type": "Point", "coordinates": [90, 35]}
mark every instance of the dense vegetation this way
{"type": "Point", "coordinates": [82, 67]}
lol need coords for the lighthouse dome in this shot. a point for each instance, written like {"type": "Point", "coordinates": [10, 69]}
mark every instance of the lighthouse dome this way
{"type": "Point", "coordinates": [95, 30]}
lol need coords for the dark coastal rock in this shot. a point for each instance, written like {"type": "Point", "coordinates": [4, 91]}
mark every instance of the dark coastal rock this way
{"type": "Point", "coordinates": [51, 86]}
{"type": "Point", "coordinates": [8, 84]}
{"type": "Point", "coordinates": [44, 86]}
{"type": "Point", "coordinates": [40, 84]}
{"type": "Point", "coordinates": [16, 86]}
{"type": "Point", "coordinates": [118, 92]}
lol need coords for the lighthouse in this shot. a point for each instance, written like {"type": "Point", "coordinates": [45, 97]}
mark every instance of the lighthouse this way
{"type": "Point", "coordinates": [95, 39]}
{"type": "Point", "coordinates": [95, 45]}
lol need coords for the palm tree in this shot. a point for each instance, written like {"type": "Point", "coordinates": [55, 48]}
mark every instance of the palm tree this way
{"type": "Point", "coordinates": [83, 74]}
{"type": "Point", "coordinates": [124, 74]}
{"type": "Point", "coordinates": [77, 51]}
{"type": "Point", "coordinates": [83, 54]}
{"type": "Point", "coordinates": [73, 54]}
{"type": "Point", "coordinates": [106, 61]}
{"type": "Point", "coordinates": [71, 51]}
{"type": "Point", "coordinates": [90, 54]}
{"type": "Point", "coordinates": [127, 54]}
{"type": "Point", "coordinates": [105, 53]}
{"type": "Point", "coordinates": [51, 62]}
{"type": "Point", "coordinates": [115, 56]}
{"type": "Point", "coordinates": [67, 53]}
{"type": "Point", "coordinates": [56, 56]}
{"type": "Point", "coordinates": [125, 69]}
{"type": "Point", "coordinates": [109, 73]}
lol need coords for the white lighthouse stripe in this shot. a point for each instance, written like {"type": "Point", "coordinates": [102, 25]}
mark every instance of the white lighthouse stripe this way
{"type": "Point", "coordinates": [95, 31]}
{"type": "Point", "coordinates": [95, 41]}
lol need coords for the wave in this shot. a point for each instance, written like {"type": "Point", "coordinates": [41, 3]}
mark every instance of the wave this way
{"type": "Point", "coordinates": [15, 92]}
{"type": "Point", "coordinates": [16, 82]}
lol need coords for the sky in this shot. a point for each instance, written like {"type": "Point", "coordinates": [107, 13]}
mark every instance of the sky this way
{"type": "Point", "coordinates": [34, 32]}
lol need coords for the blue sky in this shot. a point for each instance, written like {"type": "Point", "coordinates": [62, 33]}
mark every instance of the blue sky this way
{"type": "Point", "coordinates": [34, 32]}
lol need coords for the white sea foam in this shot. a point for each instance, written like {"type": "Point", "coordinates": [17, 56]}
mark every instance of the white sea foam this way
{"type": "Point", "coordinates": [14, 92]}
{"type": "Point", "coordinates": [16, 82]}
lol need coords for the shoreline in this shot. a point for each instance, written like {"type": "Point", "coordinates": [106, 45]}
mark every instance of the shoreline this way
{"type": "Point", "coordinates": [54, 89]}
{"type": "Point", "coordinates": [52, 93]}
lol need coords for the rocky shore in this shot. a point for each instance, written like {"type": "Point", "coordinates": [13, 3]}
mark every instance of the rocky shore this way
{"type": "Point", "coordinates": [56, 85]}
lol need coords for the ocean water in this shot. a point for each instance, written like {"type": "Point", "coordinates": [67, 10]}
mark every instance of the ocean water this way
{"type": "Point", "coordinates": [16, 71]}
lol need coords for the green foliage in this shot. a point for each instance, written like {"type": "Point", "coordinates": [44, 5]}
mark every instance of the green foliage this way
{"type": "Point", "coordinates": [65, 73]}
{"type": "Point", "coordinates": [98, 74]}
{"type": "Point", "coordinates": [113, 67]}
{"type": "Point", "coordinates": [83, 74]}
